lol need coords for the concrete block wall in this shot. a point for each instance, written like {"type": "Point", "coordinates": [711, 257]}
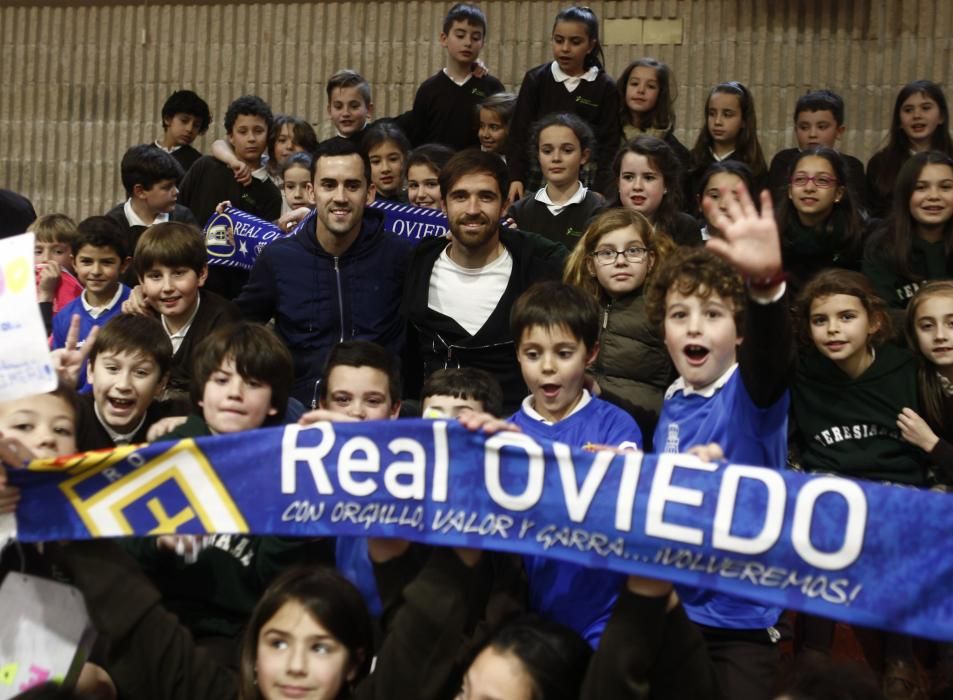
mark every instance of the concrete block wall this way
{"type": "Point", "coordinates": [82, 81]}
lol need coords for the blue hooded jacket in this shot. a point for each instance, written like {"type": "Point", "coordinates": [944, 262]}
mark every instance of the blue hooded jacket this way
{"type": "Point", "coordinates": [319, 300]}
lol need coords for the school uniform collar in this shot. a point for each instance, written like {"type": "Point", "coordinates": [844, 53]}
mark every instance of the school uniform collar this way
{"type": "Point", "coordinates": [528, 409]}
{"type": "Point", "coordinates": [572, 81]}
{"type": "Point", "coordinates": [707, 392]}
{"type": "Point", "coordinates": [133, 218]}
{"type": "Point", "coordinates": [117, 437]}
{"type": "Point", "coordinates": [543, 196]}
{"type": "Point", "coordinates": [97, 311]}
{"type": "Point", "coordinates": [719, 158]}
{"type": "Point", "coordinates": [181, 333]}
{"type": "Point", "coordinates": [460, 83]}
{"type": "Point", "coordinates": [261, 174]}
{"type": "Point", "coordinates": [167, 150]}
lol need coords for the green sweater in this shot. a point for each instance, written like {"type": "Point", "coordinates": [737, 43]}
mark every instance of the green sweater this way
{"type": "Point", "coordinates": [849, 426]}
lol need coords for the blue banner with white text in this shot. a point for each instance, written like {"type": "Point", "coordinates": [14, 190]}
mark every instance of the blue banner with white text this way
{"type": "Point", "coordinates": [865, 553]}
{"type": "Point", "coordinates": [234, 238]}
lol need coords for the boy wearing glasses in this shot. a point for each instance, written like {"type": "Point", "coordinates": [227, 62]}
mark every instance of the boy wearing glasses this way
{"type": "Point", "coordinates": [818, 121]}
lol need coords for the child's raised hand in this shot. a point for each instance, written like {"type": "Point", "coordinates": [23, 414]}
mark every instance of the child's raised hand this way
{"type": "Point", "coordinates": [242, 172]}
{"type": "Point", "coordinates": [68, 360]}
{"type": "Point", "coordinates": [292, 218]}
{"type": "Point", "coordinates": [486, 422]}
{"type": "Point", "coordinates": [220, 207]}
{"type": "Point", "coordinates": [317, 415]}
{"type": "Point", "coordinates": [164, 426]}
{"type": "Point", "coordinates": [915, 430]}
{"type": "Point", "coordinates": [751, 243]}
{"type": "Point", "coordinates": [515, 193]}
{"type": "Point", "coordinates": [136, 303]}
{"type": "Point", "coordinates": [48, 281]}
{"type": "Point", "coordinates": [16, 454]}
{"type": "Point", "coordinates": [479, 69]}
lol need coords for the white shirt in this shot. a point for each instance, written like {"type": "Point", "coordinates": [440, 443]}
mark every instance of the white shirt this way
{"type": "Point", "coordinates": [707, 391]}
{"type": "Point", "coordinates": [468, 295]}
{"type": "Point", "coordinates": [571, 82]}
{"type": "Point", "coordinates": [116, 437]}
{"type": "Point", "coordinates": [455, 81]}
{"type": "Point", "coordinates": [530, 411]}
{"type": "Point", "coordinates": [179, 335]}
{"type": "Point", "coordinates": [543, 196]}
{"type": "Point", "coordinates": [719, 158]}
{"type": "Point", "coordinates": [97, 311]}
{"type": "Point", "coordinates": [167, 150]}
{"type": "Point", "coordinates": [133, 218]}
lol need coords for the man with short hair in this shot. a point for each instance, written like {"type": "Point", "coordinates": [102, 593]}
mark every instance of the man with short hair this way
{"type": "Point", "coordinates": [457, 295]}
{"type": "Point", "coordinates": [340, 277]}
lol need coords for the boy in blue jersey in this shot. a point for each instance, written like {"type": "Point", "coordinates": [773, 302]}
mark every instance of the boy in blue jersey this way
{"type": "Point", "coordinates": [556, 329]}
{"type": "Point", "coordinates": [100, 256]}
{"type": "Point", "coordinates": [732, 393]}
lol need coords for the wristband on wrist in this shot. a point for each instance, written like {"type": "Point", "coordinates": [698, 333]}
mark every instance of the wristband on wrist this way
{"type": "Point", "coordinates": [761, 284]}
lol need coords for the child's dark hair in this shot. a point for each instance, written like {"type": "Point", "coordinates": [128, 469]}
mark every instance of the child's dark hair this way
{"type": "Point", "coordinates": [586, 17]}
{"type": "Point", "coordinates": [821, 101]}
{"type": "Point", "coordinates": [932, 396]}
{"type": "Point", "coordinates": [298, 160]}
{"type": "Point", "coordinates": [302, 134]}
{"type": "Point", "coordinates": [583, 132]}
{"type": "Point", "coordinates": [186, 102]}
{"type": "Point", "coordinates": [54, 228]}
{"type": "Point", "coordinates": [147, 165]}
{"type": "Point", "coordinates": [464, 12]}
{"type": "Point", "coordinates": [340, 146]}
{"type": "Point", "coordinates": [330, 600]}
{"type": "Point", "coordinates": [466, 383]}
{"type": "Point", "coordinates": [257, 353]}
{"type": "Point", "coordinates": [173, 244]}
{"type": "Point", "coordinates": [897, 149]}
{"type": "Point", "coordinates": [382, 132]}
{"type": "Point", "coordinates": [433, 155]}
{"type": "Point", "coordinates": [900, 228]}
{"type": "Point", "coordinates": [470, 161]}
{"type": "Point", "coordinates": [363, 353]}
{"type": "Point", "coordinates": [698, 272]}
{"type": "Point", "coordinates": [662, 116]}
{"type": "Point", "coordinates": [850, 283]}
{"type": "Point", "coordinates": [250, 105]}
{"type": "Point", "coordinates": [734, 167]}
{"type": "Point", "coordinates": [101, 232]}
{"type": "Point", "coordinates": [849, 214]}
{"type": "Point", "coordinates": [553, 656]}
{"type": "Point", "coordinates": [350, 78]}
{"type": "Point", "coordinates": [551, 304]}
{"type": "Point", "coordinates": [747, 146]}
{"type": "Point", "coordinates": [134, 334]}
{"type": "Point", "coordinates": [661, 157]}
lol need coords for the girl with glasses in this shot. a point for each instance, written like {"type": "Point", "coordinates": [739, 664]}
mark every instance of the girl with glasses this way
{"type": "Point", "coordinates": [820, 224]}
{"type": "Point", "coordinates": [613, 262]}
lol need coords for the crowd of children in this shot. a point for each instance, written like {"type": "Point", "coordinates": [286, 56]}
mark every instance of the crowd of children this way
{"type": "Point", "coordinates": [792, 316]}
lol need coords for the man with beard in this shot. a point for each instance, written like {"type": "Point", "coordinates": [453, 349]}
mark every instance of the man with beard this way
{"type": "Point", "coordinates": [340, 277]}
{"type": "Point", "coordinates": [458, 294]}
